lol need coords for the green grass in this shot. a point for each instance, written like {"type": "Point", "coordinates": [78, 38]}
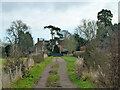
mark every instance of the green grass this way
{"type": "Point", "coordinates": [2, 61]}
{"type": "Point", "coordinates": [70, 60]}
{"type": "Point", "coordinates": [25, 59]}
{"type": "Point", "coordinates": [34, 74]}
{"type": "Point", "coordinates": [53, 80]}
{"type": "Point", "coordinates": [54, 77]}
{"type": "Point", "coordinates": [1, 64]}
{"type": "Point", "coordinates": [56, 59]}
{"type": "Point", "coordinates": [56, 66]}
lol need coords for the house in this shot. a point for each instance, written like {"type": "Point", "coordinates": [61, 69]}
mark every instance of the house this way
{"type": "Point", "coordinates": [41, 46]}
{"type": "Point", "coordinates": [60, 46]}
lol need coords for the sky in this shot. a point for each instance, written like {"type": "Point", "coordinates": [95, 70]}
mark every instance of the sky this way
{"type": "Point", "coordinates": [65, 15]}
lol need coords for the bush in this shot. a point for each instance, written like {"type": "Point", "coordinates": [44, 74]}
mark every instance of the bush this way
{"type": "Point", "coordinates": [79, 53]}
{"type": "Point", "coordinates": [38, 58]}
{"type": "Point", "coordinates": [91, 76]}
{"type": "Point", "coordinates": [83, 73]}
{"type": "Point", "coordinates": [86, 77]}
{"type": "Point", "coordinates": [79, 67]}
{"type": "Point", "coordinates": [11, 63]}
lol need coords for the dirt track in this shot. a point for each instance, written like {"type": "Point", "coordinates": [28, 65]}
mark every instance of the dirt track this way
{"type": "Point", "coordinates": [64, 80]}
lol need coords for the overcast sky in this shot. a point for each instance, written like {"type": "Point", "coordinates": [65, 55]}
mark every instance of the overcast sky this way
{"type": "Point", "coordinates": [65, 15]}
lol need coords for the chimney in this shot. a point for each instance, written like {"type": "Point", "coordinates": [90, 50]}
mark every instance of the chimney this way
{"type": "Point", "coordinates": [38, 40]}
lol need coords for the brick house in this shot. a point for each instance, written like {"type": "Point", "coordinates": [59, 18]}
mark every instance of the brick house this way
{"type": "Point", "coordinates": [40, 46]}
{"type": "Point", "coordinates": [60, 46]}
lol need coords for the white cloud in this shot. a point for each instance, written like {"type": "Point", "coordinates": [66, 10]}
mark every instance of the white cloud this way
{"type": "Point", "coordinates": [65, 16]}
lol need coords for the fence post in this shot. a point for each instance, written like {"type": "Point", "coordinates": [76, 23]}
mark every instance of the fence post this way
{"type": "Point", "coordinates": [16, 70]}
{"type": "Point", "coordinates": [30, 62]}
{"type": "Point", "coordinates": [20, 71]}
{"type": "Point", "coordinates": [11, 75]}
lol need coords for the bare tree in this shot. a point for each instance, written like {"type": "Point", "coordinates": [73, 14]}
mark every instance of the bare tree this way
{"type": "Point", "coordinates": [88, 29]}
{"type": "Point", "coordinates": [14, 36]}
{"type": "Point", "coordinates": [15, 30]}
{"type": "Point", "coordinates": [66, 34]}
{"type": "Point", "coordinates": [17, 35]}
{"type": "Point", "coordinates": [70, 43]}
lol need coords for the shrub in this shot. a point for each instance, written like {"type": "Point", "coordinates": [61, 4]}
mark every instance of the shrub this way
{"type": "Point", "coordinates": [38, 58]}
{"type": "Point", "coordinates": [79, 53]}
{"type": "Point", "coordinates": [79, 67]}
{"type": "Point", "coordinates": [86, 77]}
{"type": "Point", "coordinates": [11, 63]}
{"type": "Point", "coordinates": [90, 76]}
{"type": "Point", "coordinates": [85, 74]}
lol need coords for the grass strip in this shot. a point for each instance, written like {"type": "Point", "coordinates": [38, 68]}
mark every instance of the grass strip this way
{"type": "Point", "coordinates": [70, 61]}
{"type": "Point", "coordinates": [34, 74]}
{"type": "Point", "coordinates": [53, 80]}
{"type": "Point", "coordinates": [54, 77]}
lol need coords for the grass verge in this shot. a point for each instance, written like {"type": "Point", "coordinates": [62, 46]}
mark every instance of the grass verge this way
{"type": "Point", "coordinates": [34, 74]}
{"type": "Point", "coordinates": [70, 61]}
{"type": "Point", "coordinates": [54, 77]}
{"type": "Point", "coordinates": [53, 80]}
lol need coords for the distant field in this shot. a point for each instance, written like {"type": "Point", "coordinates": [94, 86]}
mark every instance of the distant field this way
{"type": "Point", "coordinates": [1, 64]}
{"type": "Point", "coordinates": [3, 60]}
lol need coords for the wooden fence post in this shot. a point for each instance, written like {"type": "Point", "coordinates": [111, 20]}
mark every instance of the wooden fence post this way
{"type": "Point", "coordinates": [16, 70]}
{"type": "Point", "coordinates": [11, 78]}
{"type": "Point", "coordinates": [20, 71]}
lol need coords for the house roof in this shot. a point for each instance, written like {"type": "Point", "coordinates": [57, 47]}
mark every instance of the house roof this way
{"type": "Point", "coordinates": [47, 41]}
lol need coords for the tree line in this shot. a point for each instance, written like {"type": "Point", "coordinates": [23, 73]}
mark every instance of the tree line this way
{"type": "Point", "coordinates": [19, 34]}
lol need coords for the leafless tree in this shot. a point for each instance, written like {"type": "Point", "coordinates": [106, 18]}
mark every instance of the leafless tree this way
{"type": "Point", "coordinates": [70, 44]}
{"type": "Point", "coordinates": [66, 34]}
{"type": "Point", "coordinates": [15, 30]}
{"type": "Point", "coordinates": [87, 29]}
